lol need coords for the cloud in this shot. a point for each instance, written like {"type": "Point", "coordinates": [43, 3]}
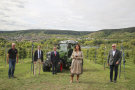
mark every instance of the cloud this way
{"type": "Point", "coordinates": [78, 15]}
{"type": "Point", "coordinates": [10, 15]}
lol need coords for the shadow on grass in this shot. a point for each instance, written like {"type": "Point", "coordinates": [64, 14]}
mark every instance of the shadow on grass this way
{"type": "Point", "coordinates": [90, 70]}
{"type": "Point", "coordinates": [84, 70]}
{"type": "Point", "coordinates": [90, 82]}
{"type": "Point", "coordinates": [66, 71]}
{"type": "Point", "coordinates": [1, 70]}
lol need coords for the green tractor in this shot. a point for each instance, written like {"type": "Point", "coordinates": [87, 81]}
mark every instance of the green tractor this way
{"type": "Point", "coordinates": [65, 49]}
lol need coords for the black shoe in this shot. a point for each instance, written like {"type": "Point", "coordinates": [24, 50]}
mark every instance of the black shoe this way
{"type": "Point", "coordinates": [114, 81]}
{"type": "Point", "coordinates": [9, 77]}
{"type": "Point", "coordinates": [111, 81]}
{"type": "Point", "coordinates": [13, 77]}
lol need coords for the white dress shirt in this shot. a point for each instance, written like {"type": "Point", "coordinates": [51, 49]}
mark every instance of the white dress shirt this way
{"type": "Point", "coordinates": [39, 53]}
{"type": "Point", "coordinates": [114, 51]}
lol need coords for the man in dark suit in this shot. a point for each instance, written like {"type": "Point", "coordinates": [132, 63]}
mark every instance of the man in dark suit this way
{"type": "Point", "coordinates": [114, 58]}
{"type": "Point", "coordinates": [55, 59]}
{"type": "Point", "coordinates": [38, 59]}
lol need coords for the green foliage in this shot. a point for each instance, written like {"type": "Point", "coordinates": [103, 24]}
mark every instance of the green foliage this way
{"type": "Point", "coordinates": [133, 55]}
{"type": "Point", "coordinates": [2, 51]}
{"type": "Point", "coordinates": [48, 38]}
{"type": "Point", "coordinates": [101, 54]}
{"type": "Point", "coordinates": [22, 53]}
{"type": "Point", "coordinates": [132, 42]}
{"type": "Point", "coordinates": [91, 54]}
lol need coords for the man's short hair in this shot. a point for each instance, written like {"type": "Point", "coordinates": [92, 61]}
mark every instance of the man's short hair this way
{"type": "Point", "coordinates": [39, 46]}
{"type": "Point", "coordinates": [113, 44]}
{"type": "Point", "coordinates": [13, 44]}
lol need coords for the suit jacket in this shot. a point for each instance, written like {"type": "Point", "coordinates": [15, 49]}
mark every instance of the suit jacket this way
{"type": "Point", "coordinates": [36, 55]}
{"type": "Point", "coordinates": [113, 59]}
{"type": "Point", "coordinates": [55, 59]}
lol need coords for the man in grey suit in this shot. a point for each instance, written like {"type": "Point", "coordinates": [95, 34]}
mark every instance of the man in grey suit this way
{"type": "Point", "coordinates": [114, 59]}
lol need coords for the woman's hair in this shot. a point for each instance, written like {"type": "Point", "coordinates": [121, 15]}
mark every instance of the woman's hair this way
{"type": "Point", "coordinates": [79, 47]}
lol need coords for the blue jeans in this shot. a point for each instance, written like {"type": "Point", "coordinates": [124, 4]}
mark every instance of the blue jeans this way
{"type": "Point", "coordinates": [11, 70]}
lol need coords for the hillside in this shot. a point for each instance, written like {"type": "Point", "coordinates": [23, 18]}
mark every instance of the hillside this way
{"type": "Point", "coordinates": [38, 34]}
{"type": "Point", "coordinates": [42, 34]}
{"type": "Point", "coordinates": [125, 33]}
{"type": "Point", "coordinates": [61, 32]}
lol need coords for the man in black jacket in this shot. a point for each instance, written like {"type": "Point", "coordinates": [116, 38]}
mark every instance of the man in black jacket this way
{"type": "Point", "coordinates": [38, 59]}
{"type": "Point", "coordinates": [55, 59]}
{"type": "Point", "coordinates": [114, 59]}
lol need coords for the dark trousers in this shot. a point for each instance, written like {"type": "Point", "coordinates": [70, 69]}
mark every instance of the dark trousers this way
{"type": "Point", "coordinates": [113, 67]}
{"type": "Point", "coordinates": [54, 68]}
{"type": "Point", "coordinates": [11, 70]}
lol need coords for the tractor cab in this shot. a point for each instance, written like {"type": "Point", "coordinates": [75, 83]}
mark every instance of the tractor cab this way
{"type": "Point", "coordinates": [65, 49]}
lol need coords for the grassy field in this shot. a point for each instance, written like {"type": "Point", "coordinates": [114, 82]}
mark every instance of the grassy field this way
{"type": "Point", "coordinates": [94, 77]}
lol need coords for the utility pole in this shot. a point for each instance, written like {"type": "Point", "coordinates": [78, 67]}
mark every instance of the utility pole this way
{"type": "Point", "coordinates": [120, 62]}
{"type": "Point", "coordinates": [32, 63]}
{"type": "Point", "coordinates": [95, 54]}
{"type": "Point", "coordinates": [87, 54]}
{"type": "Point", "coordinates": [104, 57]}
{"type": "Point", "coordinates": [5, 54]}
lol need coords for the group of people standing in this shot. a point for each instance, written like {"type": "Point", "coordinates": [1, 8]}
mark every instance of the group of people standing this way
{"type": "Point", "coordinates": [38, 60]}
{"type": "Point", "coordinates": [114, 59]}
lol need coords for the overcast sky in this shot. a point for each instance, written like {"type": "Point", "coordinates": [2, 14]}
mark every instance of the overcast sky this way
{"type": "Point", "coordinates": [79, 15]}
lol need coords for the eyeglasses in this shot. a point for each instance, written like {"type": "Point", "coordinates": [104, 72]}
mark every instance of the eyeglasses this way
{"type": "Point", "coordinates": [113, 46]}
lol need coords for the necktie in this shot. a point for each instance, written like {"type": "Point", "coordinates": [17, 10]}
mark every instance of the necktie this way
{"type": "Point", "coordinates": [55, 53]}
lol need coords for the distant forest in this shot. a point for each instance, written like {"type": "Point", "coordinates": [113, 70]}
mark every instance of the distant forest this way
{"type": "Point", "coordinates": [61, 32]}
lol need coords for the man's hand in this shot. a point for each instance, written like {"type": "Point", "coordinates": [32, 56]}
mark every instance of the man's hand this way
{"type": "Point", "coordinates": [108, 64]}
{"type": "Point", "coordinates": [74, 57]}
{"type": "Point", "coordinates": [117, 62]}
{"type": "Point", "coordinates": [17, 60]}
{"type": "Point", "coordinates": [7, 61]}
{"type": "Point", "coordinates": [34, 62]}
{"type": "Point", "coordinates": [7, 58]}
{"type": "Point", "coordinates": [17, 57]}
